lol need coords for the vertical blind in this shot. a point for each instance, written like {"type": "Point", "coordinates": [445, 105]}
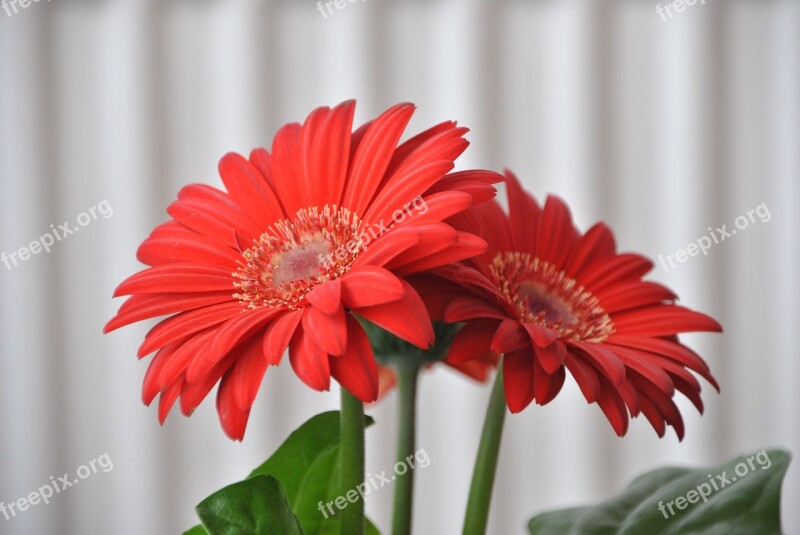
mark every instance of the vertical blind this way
{"type": "Point", "coordinates": [662, 128]}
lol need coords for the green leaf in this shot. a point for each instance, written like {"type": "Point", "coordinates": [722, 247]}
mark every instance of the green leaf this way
{"type": "Point", "coordinates": [291, 461]}
{"type": "Point", "coordinates": [306, 468]}
{"type": "Point", "coordinates": [253, 506]}
{"type": "Point", "coordinates": [725, 503]}
{"type": "Point", "coordinates": [319, 486]}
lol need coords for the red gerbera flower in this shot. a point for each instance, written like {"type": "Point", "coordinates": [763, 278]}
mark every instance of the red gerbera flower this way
{"type": "Point", "coordinates": [552, 299]}
{"type": "Point", "coordinates": [323, 226]}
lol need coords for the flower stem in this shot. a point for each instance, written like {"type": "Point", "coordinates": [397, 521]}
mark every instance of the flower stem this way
{"type": "Point", "coordinates": [352, 461]}
{"type": "Point", "coordinates": [480, 492]}
{"type": "Point", "coordinates": [407, 372]}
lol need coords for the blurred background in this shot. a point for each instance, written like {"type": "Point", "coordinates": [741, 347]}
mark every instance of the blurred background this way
{"type": "Point", "coordinates": [660, 126]}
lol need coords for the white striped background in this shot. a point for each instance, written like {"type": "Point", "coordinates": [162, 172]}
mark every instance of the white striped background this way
{"type": "Point", "coordinates": [660, 128]}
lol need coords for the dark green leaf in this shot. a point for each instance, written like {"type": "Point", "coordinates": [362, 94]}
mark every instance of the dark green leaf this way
{"type": "Point", "coordinates": [197, 530]}
{"type": "Point", "coordinates": [254, 506]}
{"type": "Point", "coordinates": [292, 459]}
{"type": "Point", "coordinates": [306, 467]}
{"type": "Point", "coordinates": [748, 503]}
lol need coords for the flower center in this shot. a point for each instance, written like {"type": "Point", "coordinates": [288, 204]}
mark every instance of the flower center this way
{"type": "Point", "coordinates": [293, 257]}
{"type": "Point", "coordinates": [543, 295]}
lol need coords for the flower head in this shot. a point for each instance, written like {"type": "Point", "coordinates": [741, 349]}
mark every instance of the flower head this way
{"type": "Point", "coordinates": [321, 227]}
{"type": "Point", "coordinates": [554, 300]}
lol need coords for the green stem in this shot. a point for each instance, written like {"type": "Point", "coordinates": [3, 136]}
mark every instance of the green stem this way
{"type": "Point", "coordinates": [407, 372]}
{"type": "Point", "coordinates": [352, 462]}
{"type": "Point", "coordinates": [480, 492]}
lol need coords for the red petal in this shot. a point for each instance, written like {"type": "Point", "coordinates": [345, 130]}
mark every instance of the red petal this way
{"type": "Point", "coordinates": [167, 400]}
{"type": "Point", "coordinates": [327, 331]}
{"type": "Point", "coordinates": [478, 369]}
{"type": "Point", "coordinates": [651, 372]}
{"type": "Point", "coordinates": [476, 182]}
{"type": "Point", "coordinates": [356, 369]}
{"type": "Point", "coordinates": [634, 295]}
{"type": "Point", "coordinates": [173, 243]}
{"type": "Point", "coordinates": [518, 379]}
{"type": "Point", "coordinates": [177, 364]}
{"type": "Point", "coordinates": [663, 320]}
{"type": "Point", "coordinates": [225, 339]}
{"type": "Point", "coordinates": [603, 359]}
{"type": "Point", "coordinates": [328, 156]}
{"type": "Point", "coordinates": [584, 375]}
{"type": "Point", "coordinates": [410, 186]}
{"type": "Point", "coordinates": [444, 146]}
{"type": "Point", "coordinates": [177, 278]}
{"type": "Point", "coordinates": [440, 206]}
{"type": "Point", "coordinates": [210, 212]}
{"type": "Point", "coordinates": [372, 156]}
{"type": "Point", "coordinates": [672, 350]}
{"type": "Point", "coordinates": [497, 227]}
{"type": "Point", "coordinates": [510, 336]}
{"type": "Point", "coordinates": [446, 236]}
{"type": "Point", "coordinates": [187, 323]}
{"type": "Point", "coordinates": [412, 145]}
{"type": "Point", "coordinates": [406, 318]}
{"type": "Point", "coordinates": [327, 296]}
{"type": "Point", "coordinates": [278, 334]}
{"type": "Point", "coordinates": [151, 385]}
{"type": "Point", "coordinates": [595, 247]}
{"type": "Point", "coordinates": [551, 357]}
{"type": "Point", "coordinates": [387, 246]}
{"type": "Point", "coordinates": [467, 246]}
{"type": "Point", "coordinates": [613, 407]}
{"type": "Point", "coordinates": [370, 285]}
{"type": "Point", "coordinates": [525, 216]}
{"type": "Point", "coordinates": [287, 168]}
{"type": "Point", "coordinates": [557, 235]}
{"type": "Point", "coordinates": [541, 336]}
{"type": "Point", "coordinates": [145, 306]}
{"type": "Point", "coordinates": [247, 373]}
{"type": "Point", "coordinates": [248, 189]}
{"type": "Point", "coordinates": [231, 416]}
{"type": "Point", "coordinates": [309, 362]}
{"type": "Point", "coordinates": [622, 268]}
{"type": "Point", "coordinates": [467, 308]}
{"type": "Point", "coordinates": [473, 340]}
{"type": "Point", "coordinates": [546, 386]}
{"type": "Point", "coordinates": [192, 394]}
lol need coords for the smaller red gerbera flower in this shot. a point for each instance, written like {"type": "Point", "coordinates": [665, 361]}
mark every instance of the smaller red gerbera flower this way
{"type": "Point", "coordinates": [554, 300]}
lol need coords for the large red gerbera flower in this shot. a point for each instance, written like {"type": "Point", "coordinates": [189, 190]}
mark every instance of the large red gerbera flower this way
{"type": "Point", "coordinates": [322, 226]}
{"type": "Point", "coordinates": [552, 299]}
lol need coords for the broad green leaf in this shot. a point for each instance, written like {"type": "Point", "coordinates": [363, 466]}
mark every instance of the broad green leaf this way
{"type": "Point", "coordinates": [292, 459]}
{"type": "Point", "coordinates": [254, 506]}
{"type": "Point", "coordinates": [197, 530]}
{"type": "Point", "coordinates": [738, 497]}
{"type": "Point", "coordinates": [320, 487]}
{"type": "Point", "coordinates": [306, 466]}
